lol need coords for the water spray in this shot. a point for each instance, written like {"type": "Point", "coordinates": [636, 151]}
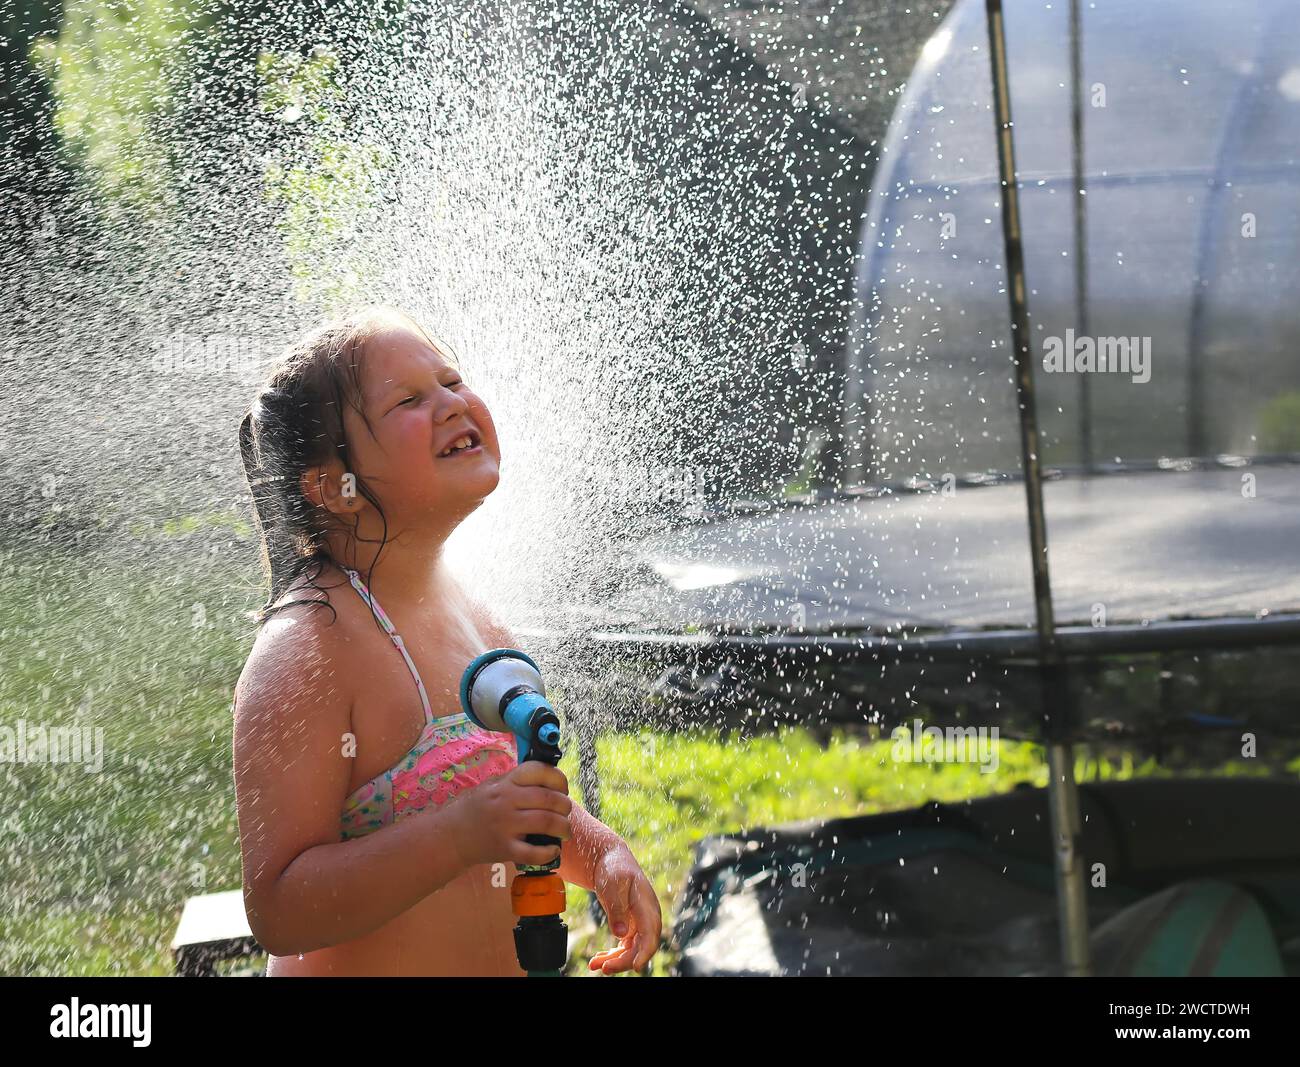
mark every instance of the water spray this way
{"type": "Point", "coordinates": [502, 690]}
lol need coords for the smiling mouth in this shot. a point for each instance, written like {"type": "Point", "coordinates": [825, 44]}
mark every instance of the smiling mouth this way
{"type": "Point", "coordinates": [468, 442]}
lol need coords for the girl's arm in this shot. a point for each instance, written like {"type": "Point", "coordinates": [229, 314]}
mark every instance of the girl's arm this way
{"type": "Point", "coordinates": [599, 860]}
{"type": "Point", "coordinates": [305, 889]}
{"type": "Point", "coordinates": [591, 840]}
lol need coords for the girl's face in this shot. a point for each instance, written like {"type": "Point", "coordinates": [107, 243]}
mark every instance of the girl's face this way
{"type": "Point", "coordinates": [419, 462]}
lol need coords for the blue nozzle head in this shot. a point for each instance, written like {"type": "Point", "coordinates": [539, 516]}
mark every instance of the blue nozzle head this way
{"type": "Point", "coordinates": [490, 677]}
{"type": "Point", "coordinates": [502, 691]}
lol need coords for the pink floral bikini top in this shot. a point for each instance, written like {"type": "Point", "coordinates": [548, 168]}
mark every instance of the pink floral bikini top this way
{"type": "Point", "coordinates": [452, 755]}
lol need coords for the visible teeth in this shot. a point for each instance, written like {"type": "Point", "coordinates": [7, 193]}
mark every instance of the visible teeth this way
{"type": "Point", "coordinates": [457, 445]}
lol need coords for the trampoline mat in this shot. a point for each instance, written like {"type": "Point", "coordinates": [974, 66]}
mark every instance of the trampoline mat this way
{"type": "Point", "coordinates": [1136, 546]}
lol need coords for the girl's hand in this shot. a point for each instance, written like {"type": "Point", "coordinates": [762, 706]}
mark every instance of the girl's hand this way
{"type": "Point", "coordinates": [489, 822]}
{"type": "Point", "coordinates": [632, 907]}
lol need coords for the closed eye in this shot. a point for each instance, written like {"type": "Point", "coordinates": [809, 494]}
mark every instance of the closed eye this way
{"type": "Point", "coordinates": [401, 403]}
{"type": "Point", "coordinates": [449, 385]}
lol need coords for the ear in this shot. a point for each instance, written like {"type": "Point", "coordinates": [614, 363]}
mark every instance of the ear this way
{"type": "Point", "coordinates": [330, 487]}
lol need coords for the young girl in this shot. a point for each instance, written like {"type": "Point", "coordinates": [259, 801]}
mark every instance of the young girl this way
{"type": "Point", "coordinates": [379, 828]}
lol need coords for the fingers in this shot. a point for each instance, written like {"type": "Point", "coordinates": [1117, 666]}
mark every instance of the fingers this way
{"type": "Point", "coordinates": [648, 923]}
{"type": "Point", "coordinates": [533, 772]}
{"type": "Point", "coordinates": [534, 796]}
{"type": "Point", "coordinates": [533, 855]}
{"type": "Point", "coordinates": [615, 902]}
{"type": "Point", "coordinates": [638, 950]}
{"type": "Point", "coordinates": [614, 960]}
{"type": "Point", "coordinates": [545, 822]}
{"type": "Point", "coordinates": [641, 943]}
{"type": "Point", "coordinates": [611, 961]}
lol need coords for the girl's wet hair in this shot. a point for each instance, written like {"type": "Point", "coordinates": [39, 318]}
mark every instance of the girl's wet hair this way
{"type": "Point", "coordinates": [296, 422]}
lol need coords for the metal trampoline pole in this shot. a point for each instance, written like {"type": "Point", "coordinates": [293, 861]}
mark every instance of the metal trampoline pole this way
{"type": "Point", "coordinates": [1080, 229]}
{"type": "Point", "coordinates": [1063, 796]}
{"type": "Point", "coordinates": [1071, 901]}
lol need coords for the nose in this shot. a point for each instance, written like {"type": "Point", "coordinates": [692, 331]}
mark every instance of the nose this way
{"type": "Point", "coordinates": [449, 405]}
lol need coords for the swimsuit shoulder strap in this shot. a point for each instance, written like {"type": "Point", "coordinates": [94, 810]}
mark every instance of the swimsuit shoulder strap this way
{"type": "Point", "coordinates": [387, 624]}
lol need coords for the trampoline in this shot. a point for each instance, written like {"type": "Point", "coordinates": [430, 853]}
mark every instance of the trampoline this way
{"type": "Point", "coordinates": [1070, 557]}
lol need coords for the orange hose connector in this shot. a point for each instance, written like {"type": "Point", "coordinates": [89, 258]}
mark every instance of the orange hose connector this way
{"type": "Point", "coordinates": [539, 894]}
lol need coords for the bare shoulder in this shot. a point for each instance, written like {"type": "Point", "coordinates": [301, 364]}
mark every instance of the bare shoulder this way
{"type": "Point", "coordinates": [303, 649]}
{"type": "Point", "coordinates": [293, 706]}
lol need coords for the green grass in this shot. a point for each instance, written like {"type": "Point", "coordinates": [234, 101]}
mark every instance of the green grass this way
{"type": "Point", "coordinates": [96, 866]}
{"type": "Point", "coordinates": [665, 792]}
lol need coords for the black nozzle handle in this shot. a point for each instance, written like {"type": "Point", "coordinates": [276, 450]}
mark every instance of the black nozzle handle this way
{"type": "Point", "coordinates": [549, 754]}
